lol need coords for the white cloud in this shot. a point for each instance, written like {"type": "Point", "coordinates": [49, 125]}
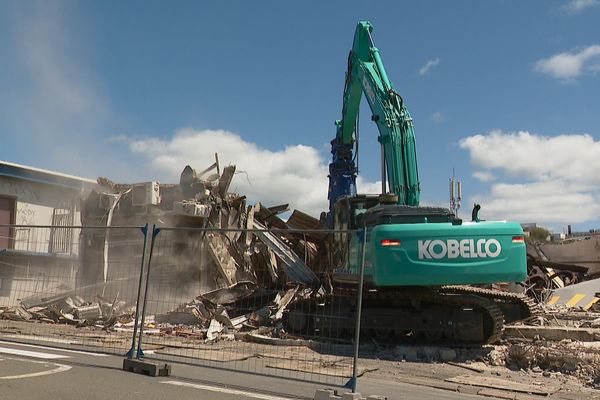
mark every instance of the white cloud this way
{"type": "Point", "coordinates": [530, 156]}
{"type": "Point", "coordinates": [546, 179]}
{"type": "Point", "coordinates": [484, 176]}
{"type": "Point", "coordinates": [576, 6]}
{"type": "Point", "coordinates": [428, 65]}
{"type": "Point", "coordinates": [366, 187]}
{"type": "Point", "coordinates": [568, 66]}
{"type": "Point", "coordinates": [438, 117]}
{"type": "Point", "coordinates": [548, 202]}
{"type": "Point", "coordinates": [295, 175]}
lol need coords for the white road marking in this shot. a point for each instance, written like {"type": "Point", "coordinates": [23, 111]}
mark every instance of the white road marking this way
{"type": "Point", "coordinates": [59, 368]}
{"type": "Point", "coordinates": [33, 354]}
{"type": "Point", "coordinates": [89, 353]}
{"type": "Point", "coordinates": [226, 390]}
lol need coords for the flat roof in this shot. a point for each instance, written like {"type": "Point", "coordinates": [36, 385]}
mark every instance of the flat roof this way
{"type": "Point", "coordinates": [46, 177]}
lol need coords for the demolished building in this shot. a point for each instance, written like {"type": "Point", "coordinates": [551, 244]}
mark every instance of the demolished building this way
{"type": "Point", "coordinates": [214, 240]}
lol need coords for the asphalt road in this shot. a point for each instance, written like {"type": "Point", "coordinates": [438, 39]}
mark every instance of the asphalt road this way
{"type": "Point", "coordinates": [35, 372]}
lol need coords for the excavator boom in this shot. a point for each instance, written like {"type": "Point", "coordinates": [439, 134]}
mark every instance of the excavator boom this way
{"type": "Point", "coordinates": [366, 74]}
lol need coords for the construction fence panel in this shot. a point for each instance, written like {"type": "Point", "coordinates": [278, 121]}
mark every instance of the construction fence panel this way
{"type": "Point", "coordinates": [247, 300]}
{"type": "Point", "coordinates": [71, 286]}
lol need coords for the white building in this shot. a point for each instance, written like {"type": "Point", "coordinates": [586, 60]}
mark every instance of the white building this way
{"type": "Point", "coordinates": [38, 209]}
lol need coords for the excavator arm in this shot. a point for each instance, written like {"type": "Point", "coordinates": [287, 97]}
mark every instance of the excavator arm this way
{"type": "Point", "coordinates": [366, 74]}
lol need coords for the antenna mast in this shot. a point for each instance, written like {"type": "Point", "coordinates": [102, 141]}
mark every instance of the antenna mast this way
{"type": "Point", "coordinates": [455, 194]}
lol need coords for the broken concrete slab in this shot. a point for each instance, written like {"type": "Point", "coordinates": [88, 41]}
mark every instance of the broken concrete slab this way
{"type": "Point", "coordinates": [552, 333]}
{"type": "Point", "coordinates": [223, 260]}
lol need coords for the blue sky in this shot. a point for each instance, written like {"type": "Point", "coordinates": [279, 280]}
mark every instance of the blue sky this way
{"type": "Point", "coordinates": [506, 93]}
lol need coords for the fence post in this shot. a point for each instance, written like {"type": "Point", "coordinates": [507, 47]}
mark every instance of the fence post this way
{"type": "Point", "coordinates": [137, 303]}
{"type": "Point", "coordinates": [155, 232]}
{"type": "Point", "coordinates": [359, 310]}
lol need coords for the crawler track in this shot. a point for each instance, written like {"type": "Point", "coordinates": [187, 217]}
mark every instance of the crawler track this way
{"type": "Point", "coordinates": [457, 315]}
{"type": "Point", "coordinates": [515, 306]}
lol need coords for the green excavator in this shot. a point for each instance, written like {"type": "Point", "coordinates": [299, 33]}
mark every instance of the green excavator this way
{"type": "Point", "coordinates": [418, 260]}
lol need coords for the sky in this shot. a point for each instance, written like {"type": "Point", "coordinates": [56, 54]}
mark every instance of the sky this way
{"type": "Point", "coordinates": [504, 93]}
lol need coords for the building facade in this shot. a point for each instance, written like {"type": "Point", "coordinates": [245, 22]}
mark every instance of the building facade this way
{"type": "Point", "coordinates": [39, 241]}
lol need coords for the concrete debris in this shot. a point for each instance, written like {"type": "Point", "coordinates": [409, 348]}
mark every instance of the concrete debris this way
{"type": "Point", "coordinates": [425, 353]}
{"type": "Point", "coordinates": [17, 313]}
{"type": "Point", "coordinates": [552, 333]}
{"type": "Point", "coordinates": [89, 314]}
{"type": "Point", "coordinates": [497, 357]}
{"type": "Point", "coordinates": [579, 359]}
{"type": "Point", "coordinates": [191, 209]}
{"type": "Point", "coordinates": [282, 302]}
{"type": "Point", "coordinates": [214, 328]}
{"type": "Point", "coordinates": [72, 310]}
{"type": "Point", "coordinates": [210, 315]}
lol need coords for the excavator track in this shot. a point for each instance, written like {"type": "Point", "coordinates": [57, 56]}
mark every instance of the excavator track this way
{"type": "Point", "coordinates": [515, 306]}
{"type": "Point", "coordinates": [438, 315]}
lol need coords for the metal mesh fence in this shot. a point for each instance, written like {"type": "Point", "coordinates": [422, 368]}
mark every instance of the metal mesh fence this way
{"type": "Point", "coordinates": [260, 309]}
{"type": "Point", "coordinates": [70, 286]}
{"type": "Point", "coordinates": [259, 301]}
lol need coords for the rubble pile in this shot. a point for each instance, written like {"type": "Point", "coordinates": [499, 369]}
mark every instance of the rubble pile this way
{"type": "Point", "coordinates": [568, 317]}
{"type": "Point", "coordinates": [74, 311]}
{"type": "Point", "coordinates": [551, 358]}
{"type": "Point", "coordinates": [219, 315]}
{"type": "Point", "coordinates": [224, 314]}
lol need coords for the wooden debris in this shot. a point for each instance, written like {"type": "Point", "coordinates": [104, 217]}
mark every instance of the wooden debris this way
{"type": "Point", "coordinates": [465, 366]}
{"type": "Point", "coordinates": [503, 384]}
